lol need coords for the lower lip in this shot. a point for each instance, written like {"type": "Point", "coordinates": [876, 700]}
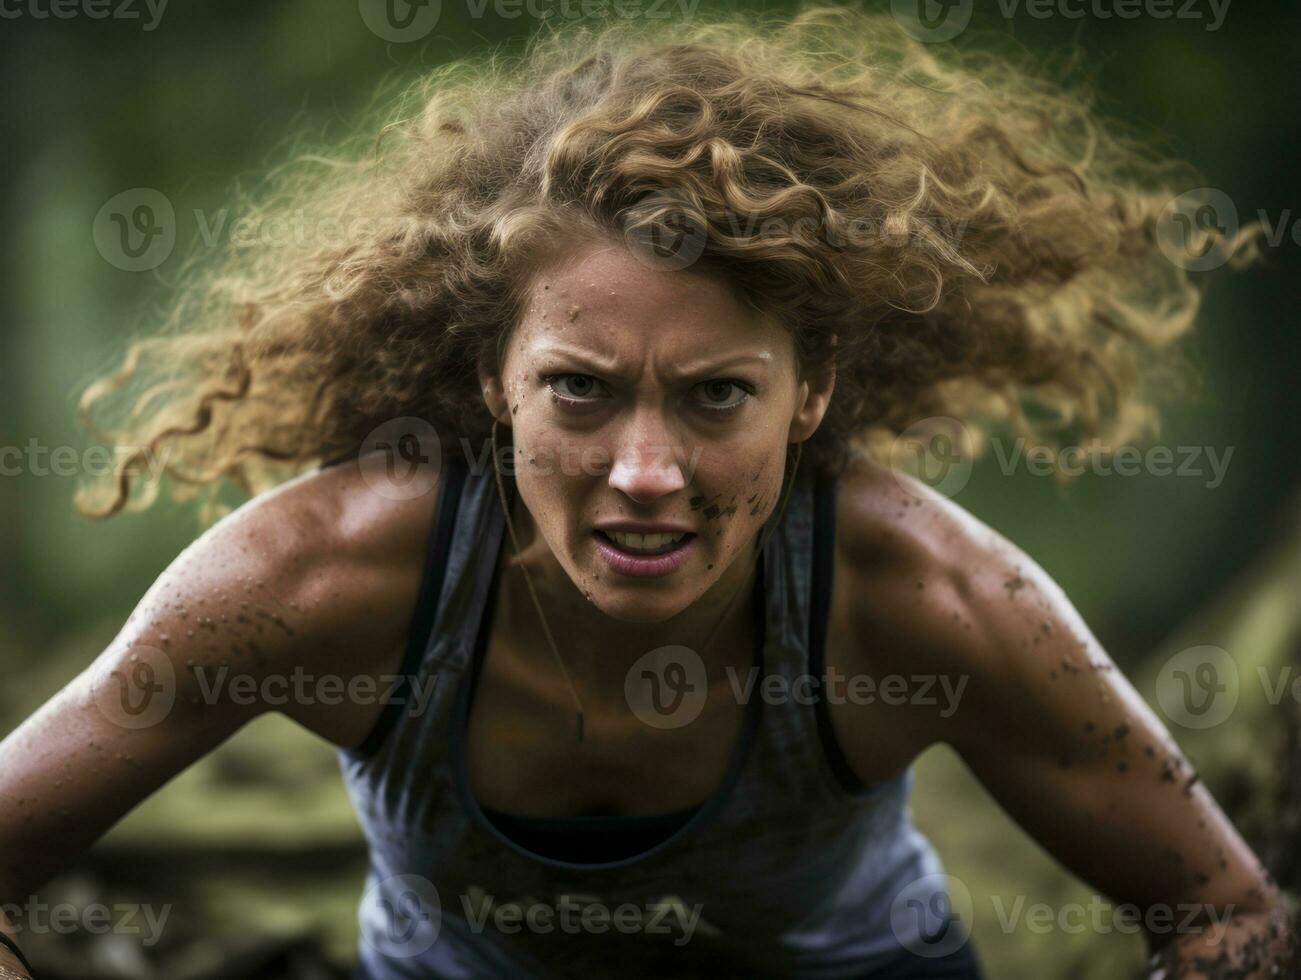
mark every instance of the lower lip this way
{"type": "Point", "coordinates": [627, 563]}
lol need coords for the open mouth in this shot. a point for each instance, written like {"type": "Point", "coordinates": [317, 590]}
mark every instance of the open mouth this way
{"type": "Point", "coordinates": [645, 544]}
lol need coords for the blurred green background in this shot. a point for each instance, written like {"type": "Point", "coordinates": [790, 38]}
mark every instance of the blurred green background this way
{"type": "Point", "coordinates": [258, 840]}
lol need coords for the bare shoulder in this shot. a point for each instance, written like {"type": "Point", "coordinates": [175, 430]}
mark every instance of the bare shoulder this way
{"type": "Point", "coordinates": [932, 594]}
{"type": "Point", "coordinates": [315, 579]}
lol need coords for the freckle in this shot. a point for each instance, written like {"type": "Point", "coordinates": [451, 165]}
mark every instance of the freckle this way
{"type": "Point", "coordinates": [921, 585]}
{"type": "Point", "coordinates": [1089, 726]}
{"type": "Point", "coordinates": [708, 567]}
{"type": "Point", "coordinates": [1053, 674]}
{"type": "Point", "coordinates": [1064, 762]}
{"type": "Point", "coordinates": [1122, 766]}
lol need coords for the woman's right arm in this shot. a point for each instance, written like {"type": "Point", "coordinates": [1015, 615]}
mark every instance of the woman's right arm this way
{"type": "Point", "coordinates": [319, 575]}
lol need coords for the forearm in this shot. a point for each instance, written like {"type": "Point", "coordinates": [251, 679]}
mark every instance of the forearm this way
{"type": "Point", "coordinates": [1248, 946]}
{"type": "Point", "coordinates": [11, 968]}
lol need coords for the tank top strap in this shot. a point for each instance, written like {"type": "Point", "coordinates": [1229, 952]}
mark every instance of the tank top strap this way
{"type": "Point", "coordinates": [411, 734]}
{"type": "Point", "coordinates": [800, 754]}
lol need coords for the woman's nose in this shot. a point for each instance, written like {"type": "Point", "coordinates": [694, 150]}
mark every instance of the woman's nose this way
{"type": "Point", "coordinates": [646, 470]}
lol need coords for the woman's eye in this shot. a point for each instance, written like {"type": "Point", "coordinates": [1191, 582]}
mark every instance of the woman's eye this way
{"type": "Point", "coordinates": [717, 395]}
{"type": "Point", "coordinates": [580, 386]}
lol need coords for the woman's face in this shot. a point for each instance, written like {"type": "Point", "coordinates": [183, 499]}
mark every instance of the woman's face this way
{"type": "Point", "coordinates": [643, 397]}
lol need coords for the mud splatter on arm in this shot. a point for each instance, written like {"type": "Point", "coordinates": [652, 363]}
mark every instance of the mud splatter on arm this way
{"type": "Point", "coordinates": [1067, 746]}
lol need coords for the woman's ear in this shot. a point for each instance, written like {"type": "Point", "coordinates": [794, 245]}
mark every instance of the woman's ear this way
{"type": "Point", "coordinates": [494, 396]}
{"type": "Point", "coordinates": [811, 403]}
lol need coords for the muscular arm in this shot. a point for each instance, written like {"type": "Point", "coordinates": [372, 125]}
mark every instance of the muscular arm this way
{"type": "Point", "coordinates": [1054, 731]}
{"type": "Point", "coordinates": [320, 575]}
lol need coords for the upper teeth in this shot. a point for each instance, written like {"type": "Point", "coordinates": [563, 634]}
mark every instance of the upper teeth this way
{"type": "Point", "coordinates": [644, 542]}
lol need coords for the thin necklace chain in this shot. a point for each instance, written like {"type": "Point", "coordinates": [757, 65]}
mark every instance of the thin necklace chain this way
{"type": "Point", "coordinates": [546, 628]}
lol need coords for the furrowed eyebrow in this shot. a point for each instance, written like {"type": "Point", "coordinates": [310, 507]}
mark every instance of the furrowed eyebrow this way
{"type": "Point", "coordinates": [696, 369]}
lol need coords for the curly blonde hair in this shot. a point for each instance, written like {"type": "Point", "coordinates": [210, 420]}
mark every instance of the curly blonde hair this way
{"type": "Point", "coordinates": [959, 235]}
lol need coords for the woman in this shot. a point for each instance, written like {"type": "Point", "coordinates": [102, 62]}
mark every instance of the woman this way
{"type": "Point", "coordinates": [594, 345]}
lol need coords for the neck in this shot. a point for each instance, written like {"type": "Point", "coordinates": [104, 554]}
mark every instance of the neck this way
{"type": "Point", "coordinates": [598, 649]}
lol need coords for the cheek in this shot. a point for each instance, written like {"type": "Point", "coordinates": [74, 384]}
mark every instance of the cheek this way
{"type": "Point", "coordinates": [734, 498]}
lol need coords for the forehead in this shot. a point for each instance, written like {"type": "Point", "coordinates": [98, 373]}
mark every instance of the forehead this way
{"type": "Point", "coordinates": [603, 296]}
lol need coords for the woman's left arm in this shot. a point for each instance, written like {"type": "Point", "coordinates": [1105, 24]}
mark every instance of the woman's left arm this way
{"type": "Point", "coordinates": [1058, 735]}
{"type": "Point", "coordinates": [1054, 731]}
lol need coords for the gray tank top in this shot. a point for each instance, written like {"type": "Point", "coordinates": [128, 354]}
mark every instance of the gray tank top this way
{"type": "Point", "coordinates": [791, 868]}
